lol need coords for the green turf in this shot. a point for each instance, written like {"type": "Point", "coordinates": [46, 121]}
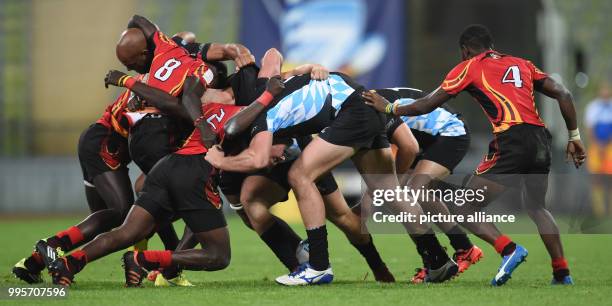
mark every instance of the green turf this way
{"type": "Point", "coordinates": [249, 279]}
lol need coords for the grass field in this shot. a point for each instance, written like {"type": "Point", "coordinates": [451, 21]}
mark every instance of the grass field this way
{"type": "Point", "coordinates": [249, 279]}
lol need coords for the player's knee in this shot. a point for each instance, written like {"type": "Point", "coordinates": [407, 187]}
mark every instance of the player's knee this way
{"type": "Point", "coordinates": [219, 261]}
{"type": "Point", "coordinates": [258, 215]}
{"type": "Point", "coordinates": [409, 149]}
{"type": "Point", "coordinates": [297, 177]}
{"type": "Point", "coordinates": [247, 197]}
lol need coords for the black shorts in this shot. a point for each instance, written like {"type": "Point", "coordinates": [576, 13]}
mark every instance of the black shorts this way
{"type": "Point", "coordinates": [153, 137]}
{"type": "Point", "coordinates": [520, 157]}
{"type": "Point", "coordinates": [231, 182]}
{"type": "Point", "coordinates": [522, 149]}
{"type": "Point", "coordinates": [393, 122]}
{"type": "Point", "coordinates": [357, 125]}
{"type": "Point", "coordinates": [101, 149]}
{"type": "Point", "coordinates": [447, 151]}
{"type": "Point", "coordinates": [177, 187]}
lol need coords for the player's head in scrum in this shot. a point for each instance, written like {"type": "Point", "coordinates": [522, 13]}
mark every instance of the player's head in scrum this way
{"type": "Point", "coordinates": [132, 51]}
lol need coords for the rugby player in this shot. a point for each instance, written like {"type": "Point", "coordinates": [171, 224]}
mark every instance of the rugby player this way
{"type": "Point", "coordinates": [504, 86]}
{"type": "Point", "coordinates": [252, 194]}
{"type": "Point", "coordinates": [347, 127]}
{"type": "Point", "coordinates": [176, 187]}
{"type": "Point", "coordinates": [443, 139]}
{"type": "Point", "coordinates": [159, 129]}
{"type": "Point", "coordinates": [103, 156]}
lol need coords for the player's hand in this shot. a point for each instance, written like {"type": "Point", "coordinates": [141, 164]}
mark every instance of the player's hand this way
{"type": "Point", "coordinates": [575, 153]}
{"type": "Point", "coordinates": [319, 72]}
{"type": "Point", "coordinates": [275, 85]}
{"type": "Point", "coordinates": [244, 59]}
{"type": "Point", "coordinates": [112, 78]}
{"type": "Point", "coordinates": [135, 104]}
{"type": "Point", "coordinates": [214, 156]}
{"type": "Point", "coordinates": [277, 154]}
{"type": "Point", "coordinates": [375, 100]}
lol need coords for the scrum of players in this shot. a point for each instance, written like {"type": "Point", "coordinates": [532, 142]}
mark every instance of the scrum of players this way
{"type": "Point", "coordinates": [194, 129]}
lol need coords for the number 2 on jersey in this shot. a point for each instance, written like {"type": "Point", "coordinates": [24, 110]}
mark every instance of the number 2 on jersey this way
{"type": "Point", "coordinates": [164, 72]}
{"type": "Point", "coordinates": [218, 117]}
{"type": "Point", "coordinates": [515, 74]}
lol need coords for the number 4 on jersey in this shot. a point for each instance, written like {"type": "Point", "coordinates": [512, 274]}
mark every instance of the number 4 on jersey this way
{"type": "Point", "coordinates": [515, 76]}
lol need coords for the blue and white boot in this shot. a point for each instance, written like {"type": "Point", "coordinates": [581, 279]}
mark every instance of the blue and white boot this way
{"type": "Point", "coordinates": [567, 280]}
{"type": "Point", "coordinates": [508, 265]}
{"type": "Point", "coordinates": [306, 275]}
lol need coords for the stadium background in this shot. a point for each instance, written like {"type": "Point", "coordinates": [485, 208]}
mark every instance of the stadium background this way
{"type": "Point", "coordinates": [55, 53]}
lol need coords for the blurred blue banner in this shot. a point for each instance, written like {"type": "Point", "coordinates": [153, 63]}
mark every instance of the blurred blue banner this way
{"type": "Point", "coordinates": [363, 38]}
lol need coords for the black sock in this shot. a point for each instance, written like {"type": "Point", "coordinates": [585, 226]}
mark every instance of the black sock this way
{"type": "Point", "coordinates": [508, 249]}
{"type": "Point", "coordinates": [434, 255]}
{"type": "Point", "coordinates": [171, 272]}
{"type": "Point", "coordinates": [369, 252]}
{"type": "Point", "coordinates": [33, 264]}
{"type": "Point", "coordinates": [459, 239]}
{"type": "Point", "coordinates": [283, 241]}
{"type": "Point", "coordinates": [319, 255]}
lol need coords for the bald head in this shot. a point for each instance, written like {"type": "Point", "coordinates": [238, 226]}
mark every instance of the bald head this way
{"type": "Point", "coordinates": [132, 50]}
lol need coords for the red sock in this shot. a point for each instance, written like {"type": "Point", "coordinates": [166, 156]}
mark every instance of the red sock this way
{"type": "Point", "coordinates": [79, 255]}
{"type": "Point", "coordinates": [77, 260]}
{"type": "Point", "coordinates": [73, 233]}
{"type": "Point", "coordinates": [37, 258]}
{"type": "Point", "coordinates": [501, 243]}
{"type": "Point", "coordinates": [559, 264]}
{"type": "Point", "coordinates": [163, 258]}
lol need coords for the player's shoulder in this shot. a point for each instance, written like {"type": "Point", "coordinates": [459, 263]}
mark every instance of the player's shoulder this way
{"type": "Point", "coordinates": [395, 93]}
{"type": "Point", "coordinates": [509, 58]}
{"type": "Point", "coordinates": [166, 45]}
{"type": "Point", "coordinates": [162, 39]}
{"type": "Point", "coordinates": [464, 67]}
{"type": "Point", "coordinates": [460, 76]}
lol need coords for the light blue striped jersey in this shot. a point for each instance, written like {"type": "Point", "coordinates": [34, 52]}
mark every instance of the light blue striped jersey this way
{"type": "Point", "coordinates": [307, 100]}
{"type": "Point", "coordinates": [438, 122]}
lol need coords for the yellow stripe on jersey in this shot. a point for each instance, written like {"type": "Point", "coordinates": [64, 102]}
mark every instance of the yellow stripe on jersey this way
{"type": "Point", "coordinates": [174, 91]}
{"type": "Point", "coordinates": [450, 84]}
{"type": "Point", "coordinates": [505, 103]}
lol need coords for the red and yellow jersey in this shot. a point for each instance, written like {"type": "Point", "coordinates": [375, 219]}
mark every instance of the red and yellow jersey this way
{"type": "Point", "coordinates": [114, 116]}
{"type": "Point", "coordinates": [502, 84]}
{"type": "Point", "coordinates": [172, 64]}
{"type": "Point", "coordinates": [215, 115]}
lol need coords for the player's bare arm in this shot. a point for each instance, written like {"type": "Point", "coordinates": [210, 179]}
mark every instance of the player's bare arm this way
{"type": "Point", "coordinates": [421, 106]}
{"type": "Point", "coordinates": [192, 92]}
{"type": "Point", "coordinates": [160, 99]}
{"type": "Point", "coordinates": [575, 151]}
{"type": "Point", "coordinates": [237, 124]}
{"type": "Point", "coordinates": [238, 53]}
{"type": "Point", "coordinates": [316, 71]}
{"type": "Point", "coordinates": [259, 153]}
{"type": "Point", "coordinates": [142, 23]}
{"type": "Point", "coordinates": [256, 156]}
